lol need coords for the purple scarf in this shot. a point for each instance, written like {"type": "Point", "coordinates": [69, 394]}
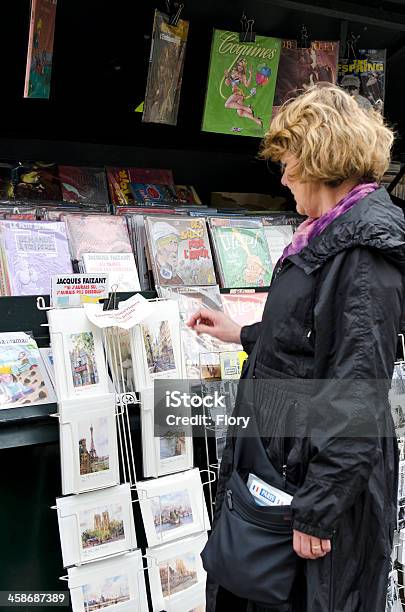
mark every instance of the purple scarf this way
{"type": "Point", "coordinates": [310, 228]}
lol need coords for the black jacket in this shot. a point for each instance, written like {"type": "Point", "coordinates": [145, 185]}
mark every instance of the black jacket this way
{"type": "Point", "coordinates": [332, 317]}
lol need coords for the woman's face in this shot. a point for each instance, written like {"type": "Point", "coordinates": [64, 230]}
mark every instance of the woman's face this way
{"type": "Point", "coordinates": [306, 195]}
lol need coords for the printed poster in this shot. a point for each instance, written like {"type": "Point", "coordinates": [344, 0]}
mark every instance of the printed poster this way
{"type": "Point", "coordinates": [300, 69]}
{"type": "Point", "coordinates": [241, 84]}
{"type": "Point", "coordinates": [40, 49]}
{"type": "Point", "coordinates": [364, 78]}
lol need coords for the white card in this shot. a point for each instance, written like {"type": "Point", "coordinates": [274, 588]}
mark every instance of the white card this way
{"type": "Point", "coordinates": [94, 525]}
{"type": "Point", "coordinates": [116, 584]}
{"type": "Point", "coordinates": [79, 361]}
{"type": "Point", "coordinates": [89, 448]}
{"type": "Point", "coordinates": [173, 507]}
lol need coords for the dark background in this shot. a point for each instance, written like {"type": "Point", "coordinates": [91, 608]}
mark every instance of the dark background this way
{"type": "Point", "coordinates": [99, 76]}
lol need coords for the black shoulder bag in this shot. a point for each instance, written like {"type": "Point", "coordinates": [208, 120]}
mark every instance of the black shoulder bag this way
{"type": "Point", "coordinates": [250, 550]}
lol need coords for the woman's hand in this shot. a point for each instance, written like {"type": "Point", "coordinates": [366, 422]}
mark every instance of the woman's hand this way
{"type": "Point", "coordinates": [216, 324]}
{"type": "Point", "coordinates": [309, 547]}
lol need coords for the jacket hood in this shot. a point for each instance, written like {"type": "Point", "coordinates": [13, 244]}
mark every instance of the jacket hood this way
{"type": "Point", "coordinates": [374, 222]}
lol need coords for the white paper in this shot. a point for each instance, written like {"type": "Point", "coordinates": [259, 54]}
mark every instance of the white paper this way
{"type": "Point", "coordinates": [129, 313]}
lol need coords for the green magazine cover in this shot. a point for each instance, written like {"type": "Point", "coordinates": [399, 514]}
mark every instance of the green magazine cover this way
{"type": "Point", "coordinates": [241, 84]}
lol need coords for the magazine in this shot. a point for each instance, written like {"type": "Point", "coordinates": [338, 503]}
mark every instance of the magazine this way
{"type": "Point", "coordinates": [40, 49]}
{"type": "Point", "coordinates": [23, 379]}
{"type": "Point", "coordinates": [165, 74]}
{"type": "Point", "coordinates": [83, 185]}
{"type": "Point", "coordinates": [35, 180]}
{"type": "Point", "coordinates": [32, 253]}
{"type": "Point", "coordinates": [96, 234]}
{"type": "Point", "coordinates": [278, 237]}
{"type": "Point", "coordinates": [120, 179]}
{"type": "Point", "coordinates": [180, 250]}
{"type": "Point", "coordinates": [364, 77]}
{"type": "Point", "coordinates": [151, 194]}
{"type": "Point", "coordinates": [241, 252]}
{"type": "Point", "coordinates": [241, 84]}
{"type": "Point", "coordinates": [302, 68]}
{"type": "Point", "coordinates": [245, 308]}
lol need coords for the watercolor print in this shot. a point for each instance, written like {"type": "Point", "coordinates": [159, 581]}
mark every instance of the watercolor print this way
{"type": "Point", "coordinates": [83, 360]}
{"type": "Point", "coordinates": [178, 574]}
{"type": "Point", "coordinates": [171, 511]}
{"type": "Point", "coordinates": [210, 364]}
{"type": "Point", "coordinates": [158, 347]}
{"type": "Point", "coordinates": [93, 446]}
{"type": "Point", "coordinates": [172, 444]}
{"type": "Point", "coordinates": [105, 592]}
{"type": "Point", "coordinates": [103, 525]}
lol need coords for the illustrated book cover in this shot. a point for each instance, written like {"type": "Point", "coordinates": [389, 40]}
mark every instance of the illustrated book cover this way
{"type": "Point", "coordinates": [120, 179]}
{"type": "Point", "coordinates": [302, 68]}
{"type": "Point", "coordinates": [35, 180]}
{"type": "Point", "coordinates": [241, 252]}
{"type": "Point", "coordinates": [97, 234]}
{"type": "Point", "coordinates": [244, 308]}
{"type": "Point", "coordinates": [180, 251]}
{"type": "Point", "coordinates": [83, 185]}
{"type": "Point", "coordinates": [364, 77]}
{"type": "Point", "coordinates": [23, 378]}
{"type": "Point", "coordinates": [33, 252]}
{"type": "Point", "coordinates": [241, 84]}
{"type": "Point", "coordinates": [120, 268]}
{"type": "Point", "coordinates": [151, 194]}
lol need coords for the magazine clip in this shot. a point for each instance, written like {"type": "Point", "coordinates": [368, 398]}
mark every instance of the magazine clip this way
{"type": "Point", "coordinates": [351, 46]}
{"type": "Point", "coordinates": [174, 10]}
{"type": "Point", "coordinates": [247, 35]}
{"type": "Point", "coordinates": [303, 38]}
{"type": "Point", "coordinates": [111, 303]}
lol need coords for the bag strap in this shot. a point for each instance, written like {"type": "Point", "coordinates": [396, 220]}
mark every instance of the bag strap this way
{"type": "Point", "coordinates": [248, 374]}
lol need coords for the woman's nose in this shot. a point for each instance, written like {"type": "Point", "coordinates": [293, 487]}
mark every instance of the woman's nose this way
{"type": "Point", "coordinates": [284, 180]}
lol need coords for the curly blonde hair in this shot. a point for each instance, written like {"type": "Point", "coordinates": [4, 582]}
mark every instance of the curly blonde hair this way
{"type": "Point", "coordinates": [332, 138]}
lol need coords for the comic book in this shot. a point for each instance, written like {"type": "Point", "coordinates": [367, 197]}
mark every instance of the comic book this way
{"type": "Point", "coordinates": [83, 185]}
{"type": "Point", "coordinates": [34, 180]}
{"type": "Point", "coordinates": [120, 267]}
{"type": "Point", "coordinates": [165, 73]}
{"type": "Point", "coordinates": [180, 251]}
{"type": "Point", "coordinates": [6, 192]}
{"type": "Point", "coordinates": [187, 194]}
{"type": "Point", "coordinates": [120, 179]}
{"type": "Point", "coordinates": [244, 308]}
{"type": "Point", "coordinates": [302, 68]}
{"type": "Point", "coordinates": [97, 234]}
{"type": "Point", "coordinates": [364, 77]}
{"type": "Point", "coordinates": [241, 252]}
{"type": "Point", "coordinates": [40, 49]}
{"type": "Point", "coordinates": [33, 251]}
{"type": "Point", "coordinates": [23, 379]}
{"type": "Point", "coordinates": [241, 84]}
{"type": "Point", "coordinates": [153, 194]}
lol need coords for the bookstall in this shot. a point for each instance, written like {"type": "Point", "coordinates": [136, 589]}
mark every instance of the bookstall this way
{"type": "Point", "coordinates": [150, 201]}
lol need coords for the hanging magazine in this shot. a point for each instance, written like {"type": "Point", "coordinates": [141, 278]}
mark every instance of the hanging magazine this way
{"type": "Point", "coordinates": [180, 251]}
{"type": "Point", "coordinates": [40, 49]}
{"type": "Point", "coordinates": [241, 84]}
{"type": "Point", "coordinates": [165, 70]}
{"type": "Point", "coordinates": [364, 77]}
{"type": "Point", "coordinates": [299, 69]}
{"type": "Point", "coordinates": [241, 252]}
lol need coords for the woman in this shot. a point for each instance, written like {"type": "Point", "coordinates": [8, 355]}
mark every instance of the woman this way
{"type": "Point", "coordinates": [331, 321]}
{"type": "Point", "coordinates": [234, 78]}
